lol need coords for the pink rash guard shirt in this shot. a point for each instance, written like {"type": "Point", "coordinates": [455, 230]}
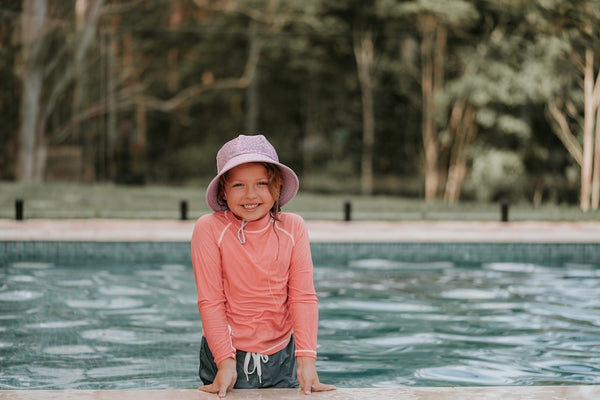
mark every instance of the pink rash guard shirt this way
{"type": "Point", "coordinates": [252, 295]}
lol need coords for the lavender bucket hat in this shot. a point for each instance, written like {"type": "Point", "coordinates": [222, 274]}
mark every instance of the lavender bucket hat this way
{"type": "Point", "coordinates": [244, 149]}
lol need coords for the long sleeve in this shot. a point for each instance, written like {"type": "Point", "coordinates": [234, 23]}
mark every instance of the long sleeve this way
{"type": "Point", "coordinates": [206, 260]}
{"type": "Point", "coordinates": [302, 298]}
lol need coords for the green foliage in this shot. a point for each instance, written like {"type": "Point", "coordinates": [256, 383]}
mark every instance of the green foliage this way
{"type": "Point", "coordinates": [506, 58]}
{"type": "Point", "coordinates": [450, 12]}
{"type": "Point", "coordinates": [497, 175]}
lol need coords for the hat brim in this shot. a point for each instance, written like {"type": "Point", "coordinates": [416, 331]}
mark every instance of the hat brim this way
{"type": "Point", "coordinates": [290, 180]}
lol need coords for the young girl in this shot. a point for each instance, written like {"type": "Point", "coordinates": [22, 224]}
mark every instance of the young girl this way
{"type": "Point", "coordinates": [254, 275]}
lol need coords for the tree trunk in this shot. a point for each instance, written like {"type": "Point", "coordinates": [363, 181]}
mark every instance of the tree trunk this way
{"type": "Point", "coordinates": [463, 131]}
{"type": "Point", "coordinates": [86, 16]}
{"type": "Point", "coordinates": [252, 101]}
{"type": "Point", "coordinates": [560, 127]}
{"type": "Point", "coordinates": [112, 133]}
{"type": "Point", "coordinates": [364, 54]}
{"type": "Point", "coordinates": [30, 148]}
{"type": "Point", "coordinates": [176, 18]}
{"type": "Point", "coordinates": [596, 170]}
{"type": "Point", "coordinates": [588, 131]}
{"type": "Point", "coordinates": [432, 49]}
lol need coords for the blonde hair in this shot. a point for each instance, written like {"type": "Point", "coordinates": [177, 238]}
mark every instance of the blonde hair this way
{"type": "Point", "coordinates": [275, 186]}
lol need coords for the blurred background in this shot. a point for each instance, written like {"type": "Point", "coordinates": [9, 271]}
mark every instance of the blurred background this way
{"type": "Point", "coordinates": [440, 100]}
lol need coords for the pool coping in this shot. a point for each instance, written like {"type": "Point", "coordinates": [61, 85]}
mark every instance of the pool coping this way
{"type": "Point", "coordinates": [319, 231]}
{"type": "Point", "coordinates": [579, 392]}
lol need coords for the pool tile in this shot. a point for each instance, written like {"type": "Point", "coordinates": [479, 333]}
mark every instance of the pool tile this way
{"type": "Point", "coordinates": [323, 252]}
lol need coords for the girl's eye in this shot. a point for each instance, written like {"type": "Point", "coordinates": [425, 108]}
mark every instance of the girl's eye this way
{"type": "Point", "coordinates": [237, 185]}
{"type": "Point", "coordinates": [263, 183]}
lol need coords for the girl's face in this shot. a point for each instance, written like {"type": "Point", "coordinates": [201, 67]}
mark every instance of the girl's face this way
{"type": "Point", "coordinates": [247, 191]}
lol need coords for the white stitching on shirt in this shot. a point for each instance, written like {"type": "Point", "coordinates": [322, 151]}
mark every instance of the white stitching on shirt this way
{"type": "Point", "coordinates": [223, 234]}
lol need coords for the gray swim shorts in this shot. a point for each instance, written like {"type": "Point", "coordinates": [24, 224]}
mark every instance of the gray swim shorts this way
{"type": "Point", "coordinates": [255, 371]}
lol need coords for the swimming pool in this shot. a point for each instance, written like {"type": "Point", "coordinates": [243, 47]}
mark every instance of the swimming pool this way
{"type": "Point", "coordinates": [101, 315]}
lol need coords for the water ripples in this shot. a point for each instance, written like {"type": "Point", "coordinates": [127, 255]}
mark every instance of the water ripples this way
{"type": "Point", "coordinates": [98, 327]}
{"type": "Point", "coordinates": [494, 324]}
{"type": "Point", "coordinates": [382, 323]}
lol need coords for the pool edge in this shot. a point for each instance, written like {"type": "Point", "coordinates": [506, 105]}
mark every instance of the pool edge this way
{"type": "Point", "coordinates": [319, 231]}
{"type": "Point", "coordinates": [579, 392]}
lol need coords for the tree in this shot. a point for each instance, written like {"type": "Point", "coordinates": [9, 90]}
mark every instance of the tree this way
{"type": "Point", "coordinates": [10, 94]}
{"type": "Point", "coordinates": [574, 108]}
{"type": "Point", "coordinates": [430, 87]}
{"type": "Point", "coordinates": [42, 28]}
{"type": "Point", "coordinates": [433, 20]}
{"type": "Point", "coordinates": [32, 143]}
{"type": "Point", "coordinates": [365, 55]}
{"type": "Point", "coordinates": [357, 21]}
{"type": "Point", "coordinates": [487, 93]}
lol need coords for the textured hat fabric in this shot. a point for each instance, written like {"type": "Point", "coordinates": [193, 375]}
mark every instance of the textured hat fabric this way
{"type": "Point", "coordinates": [244, 149]}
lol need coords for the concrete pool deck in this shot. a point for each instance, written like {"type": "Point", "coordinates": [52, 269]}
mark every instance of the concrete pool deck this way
{"type": "Point", "coordinates": [404, 393]}
{"type": "Point", "coordinates": [319, 231]}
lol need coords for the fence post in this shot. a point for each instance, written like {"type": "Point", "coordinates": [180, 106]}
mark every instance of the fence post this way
{"type": "Point", "coordinates": [183, 209]}
{"type": "Point", "coordinates": [347, 211]}
{"type": "Point", "coordinates": [19, 209]}
{"type": "Point", "coordinates": [504, 212]}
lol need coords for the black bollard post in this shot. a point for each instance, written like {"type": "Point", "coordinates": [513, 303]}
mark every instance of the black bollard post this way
{"type": "Point", "coordinates": [19, 209]}
{"type": "Point", "coordinates": [183, 209]}
{"type": "Point", "coordinates": [504, 212]}
{"type": "Point", "coordinates": [347, 211]}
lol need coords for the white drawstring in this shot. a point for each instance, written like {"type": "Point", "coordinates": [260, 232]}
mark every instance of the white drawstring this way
{"type": "Point", "coordinates": [240, 232]}
{"type": "Point", "coordinates": [256, 360]}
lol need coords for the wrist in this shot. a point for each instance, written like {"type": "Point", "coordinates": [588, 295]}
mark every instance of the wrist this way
{"type": "Point", "coordinates": [303, 361]}
{"type": "Point", "coordinates": [227, 362]}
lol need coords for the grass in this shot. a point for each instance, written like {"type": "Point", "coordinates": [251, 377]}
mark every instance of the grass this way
{"type": "Point", "coordinates": [78, 200]}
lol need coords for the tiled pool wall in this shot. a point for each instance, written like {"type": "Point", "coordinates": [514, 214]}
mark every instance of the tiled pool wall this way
{"type": "Point", "coordinates": [323, 253]}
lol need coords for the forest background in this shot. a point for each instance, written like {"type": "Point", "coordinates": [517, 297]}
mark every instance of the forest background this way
{"type": "Point", "coordinates": [443, 100]}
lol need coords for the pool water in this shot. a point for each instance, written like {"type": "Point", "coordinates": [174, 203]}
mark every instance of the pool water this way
{"type": "Point", "coordinates": [431, 324]}
{"type": "Point", "coordinates": [386, 319]}
{"type": "Point", "coordinates": [103, 326]}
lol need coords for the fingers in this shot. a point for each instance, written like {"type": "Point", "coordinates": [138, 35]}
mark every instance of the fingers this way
{"type": "Point", "coordinates": [315, 386]}
{"type": "Point", "coordinates": [322, 387]}
{"type": "Point", "coordinates": [308, 377]}
{"type": "Point", "coordinates": [305, 387]}
{"type": "Point", "coordinates": [221, 391]}
{"type": "Point", "coordinates": [213, 388]}
{"type": "Point", "coordinates": [224, 380]}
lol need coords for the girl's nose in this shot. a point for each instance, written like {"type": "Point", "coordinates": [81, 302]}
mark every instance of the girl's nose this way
{"type": "Point", "coordinates": [250, 191]}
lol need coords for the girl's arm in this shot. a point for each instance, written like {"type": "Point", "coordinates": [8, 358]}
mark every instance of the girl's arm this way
{"type": "Point", "coordinates": [303, 303]}
{"type": "Point", "coordinates": [206, 260]}
{"type": "Point", "coordinates": [302, 298]}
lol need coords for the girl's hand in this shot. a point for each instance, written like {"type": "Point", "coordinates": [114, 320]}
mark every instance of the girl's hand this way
{"type": "Point", "coordinates": [224, 380]}
{"type": "Point", "coordinates": [308, 378]}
